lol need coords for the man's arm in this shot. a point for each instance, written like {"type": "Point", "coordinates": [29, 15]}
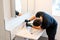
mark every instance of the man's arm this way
{"type": "Point", "coordinates": [32, 18]}
{"type": "Point", "coordinates": [28, 20]}
{"type": "Point", "coordinates": [37, 27]}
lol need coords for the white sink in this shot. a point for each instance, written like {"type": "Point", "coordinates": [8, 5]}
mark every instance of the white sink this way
{"type": "Point", "coordinates": [25, 32]}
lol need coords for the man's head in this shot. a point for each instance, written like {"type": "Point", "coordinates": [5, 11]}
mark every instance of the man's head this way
{"type": "Point", "coordinates": [37, 22]}
{"type": "Point", "coordinates": [40, 13]}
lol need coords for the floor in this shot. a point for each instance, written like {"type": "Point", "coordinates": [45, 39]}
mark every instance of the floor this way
{"type": "Point", "coordinates": [41, 38]}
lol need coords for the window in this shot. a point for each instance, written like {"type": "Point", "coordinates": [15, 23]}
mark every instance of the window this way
{"type": "Point", "coordinates": [56, 8]}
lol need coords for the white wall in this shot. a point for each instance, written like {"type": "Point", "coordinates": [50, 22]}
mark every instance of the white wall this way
{"type": "Point", "coordinates": [31, 6]}
{"type": "Point", "coordinates": [4, 35]}
{"type": "Point", "coordinates": [27, 6]}
{"type": "Point", "coordinates": [7, 9]}
{"type": "Point", "coordinates": [58, 27]}
{"type": "Point", "coordinates": [43, 5]}
{"type": "Point", "coordinates": [24, 6]}
{"type": "Point", "coordinates": [36, 5]}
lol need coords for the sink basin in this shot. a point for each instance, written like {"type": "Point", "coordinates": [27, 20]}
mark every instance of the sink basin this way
{"type": "Point", "coordinates": [29, 32]}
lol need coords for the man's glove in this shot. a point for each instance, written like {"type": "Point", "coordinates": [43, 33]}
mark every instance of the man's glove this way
{"type": "Point", "coordinates": [27, 20]}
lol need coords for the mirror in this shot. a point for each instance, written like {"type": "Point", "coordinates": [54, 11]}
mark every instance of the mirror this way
{"type": "Point", "coordinates": [18, 6]}
{"type": "Point", "coordinates": [22, 7]}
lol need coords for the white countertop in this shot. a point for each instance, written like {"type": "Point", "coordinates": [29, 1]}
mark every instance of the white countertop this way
{"type": "Point", "coordinates": [10, 25]}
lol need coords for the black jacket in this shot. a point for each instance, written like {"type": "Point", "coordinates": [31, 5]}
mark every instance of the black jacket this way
{"type": "Point", "coordinates": [47, 20]}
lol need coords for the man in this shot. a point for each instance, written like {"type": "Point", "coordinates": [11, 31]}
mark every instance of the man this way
{"type": "Point", "coordinates": [46, 22]}
{"type": "Point", "coordinates": [17, 13]}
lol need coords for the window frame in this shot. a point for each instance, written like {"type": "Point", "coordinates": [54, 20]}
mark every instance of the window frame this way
{"type": "Point", "coordinates": [55, 8]}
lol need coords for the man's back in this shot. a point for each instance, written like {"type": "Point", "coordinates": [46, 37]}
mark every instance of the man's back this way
{"type": "Point", "coordinates": [47, 20]}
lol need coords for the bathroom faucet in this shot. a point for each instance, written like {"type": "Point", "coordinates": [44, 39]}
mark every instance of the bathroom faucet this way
{"type": "Point", "coordinates": [28, 24]}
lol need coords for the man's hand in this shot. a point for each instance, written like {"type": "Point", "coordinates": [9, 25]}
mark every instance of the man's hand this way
{"type": "Point", "coordinates": [27, 20]}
